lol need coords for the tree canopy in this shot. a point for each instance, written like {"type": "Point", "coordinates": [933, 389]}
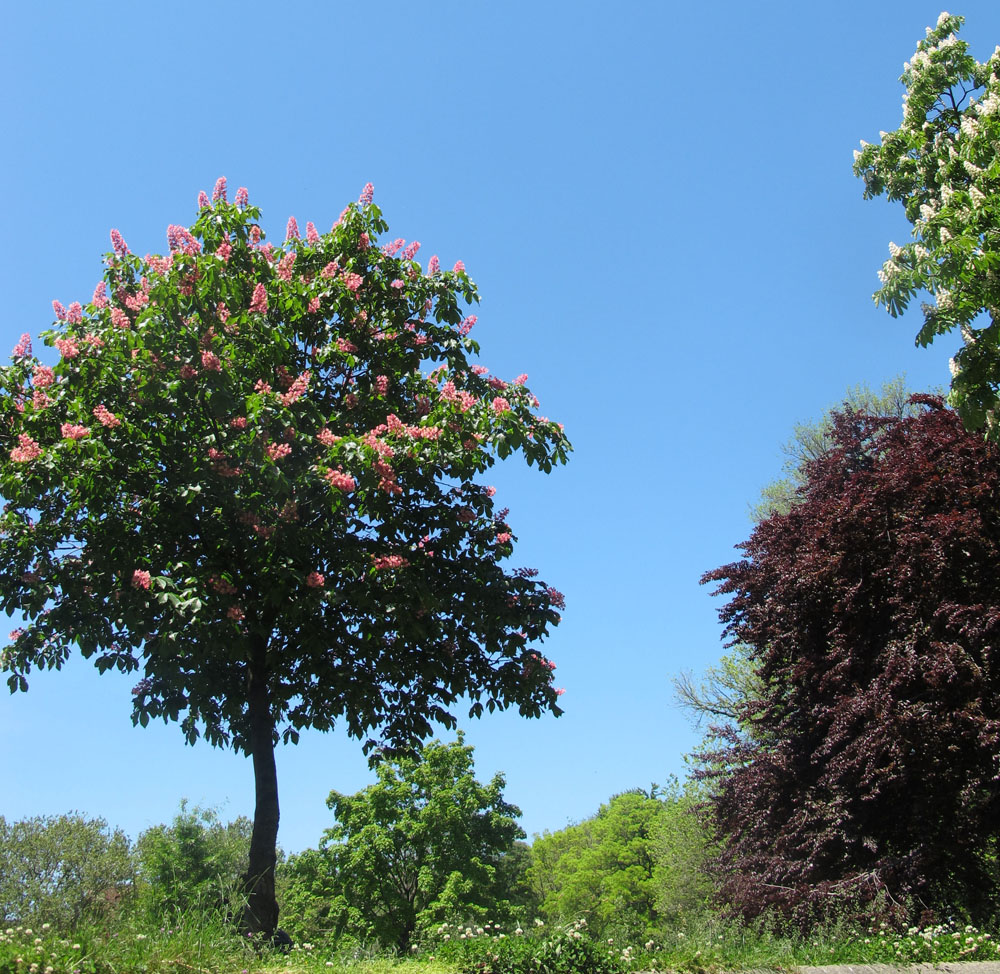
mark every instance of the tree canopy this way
{"type": "Point", "coordinates": [942, 164]}
{"type": "Point", "coordinates": [254, 474]}
{"type": "Point", "coordinates": [871, 614]}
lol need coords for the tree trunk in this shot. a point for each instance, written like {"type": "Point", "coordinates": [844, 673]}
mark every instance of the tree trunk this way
{"type": "Point", "coordinates": [260, 916]}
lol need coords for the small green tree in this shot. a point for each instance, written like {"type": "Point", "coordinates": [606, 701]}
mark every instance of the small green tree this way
{"type": "Point", "coordinates": [61, 869]}
{"type": "Point", "coordinates": [196, 861]}
{"type": "Point", "coordinates": [942, 165]}
{"type": "Point", "coordinates": [254, 473]}
{"type": "Point", "coordinates": [426, 843]}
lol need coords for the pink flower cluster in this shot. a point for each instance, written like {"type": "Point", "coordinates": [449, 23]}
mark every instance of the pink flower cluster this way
{"type": "Point", "coordinates": [352, 281]}
{"type": "Point", "coordinates": [74, 431]}
{"type": "Point", "coordinates": [463, 397]}
{"type": "Point", "coordinates": [160, 265]}
{"type": "Point", "coordinates": [367, 194]}
{"type": "Point", "coordinates": [411, 250]}
{"type": "Point", "coordinates": [503, 537]}
{"type": "Point", "coordinates": [120, 320]}
{"type": "Point", "coordinates": [381, 384]}
{"type": "Point", "coordinates": [278, 450]}
{"type": "Point", "coordinates": [397, 284]}
{"type": "Point", "coordinates": [312, 234]}
{"type": "Point", "coordinates": [203, 201]}
{"type": "Point", "coordinates": [387, 477]}
{"type": "Point", "coordinates": [68, 347]}
{"type": "Point", "coordinates": [224, 250]}
{"type": "Point", "coordinates": [188, 371]}
{"type": "Point", "coordinates": [118, 244]}
{"type": "Point", "coordinates": [284, 268]}
{"type": "Point", "coordinates": [296, 390]}
{"type": "Point", "coordinates": [221, 586]}
{"type": "Point", "coordinates": [314, 303]}
{"type": "Point", "coordinates": [219, 192]}
{"type": "Point", "coordinates": [330, 270]}
{"type": "Point", "coordinates": [242, 197]}
{"type": "Point", "coordinates": [345, 346]}
{"type": "Point", "coordinates": [26, 450]}
{"type": "Point", "coordinates": [326, 437]}
{"type": "Point", "coordinates": [315, 580]}
{"type": "Point", "coordinates": [391, 249]}
{"type": "Point", "coordinates": [74, 313]}
{"type": "Point", "coordinates": [106, 417]}
{"type": "Point", "coordinates": [521, 379]}
{"type": "Point", "coordinates": [180, 238]}
{"type": "Point", "coordinates": [210, 362]}
{"type": "Point", "coordinates": [340, 480]}
{"type": "Point", "coordinates": [434, 265]}
{"type": "Point", "coordinates": [467, 325]}
{"type": "Point", "coordinates": [100, 298]}
{"type": "Point", "coordinates": [258, 304]}
{"type": "Point", "coordinates": [58, 310]}
{"type": "Point", "coordinates": [39, 400]}
{"type": "Point", "coordinates": [43, 377]}
{"type": "Point", "coordinates": [479, 369]}
{"type": "Point", "coordinates": [364, 241]}
{"type": "Point", "coordinates": [235, 613]}
{"type": "Point", "coordinates": [140, 579]}
{"type": "Point", "coordinates": [389, 561]}
{"type": "Point", "coordinates": [261, 386]}
{"type": "Point", "coordinates": [239, 423]}
{"type": "Point", "coordinates": [23, 347]}
{"type": "Point", "coordinates": [459, 267]}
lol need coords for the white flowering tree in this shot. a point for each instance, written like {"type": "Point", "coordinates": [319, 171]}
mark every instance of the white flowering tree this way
{"type": "Point", "coordinates": [943, 165]}
{"type": "Point", "coordinates": [253, 474]}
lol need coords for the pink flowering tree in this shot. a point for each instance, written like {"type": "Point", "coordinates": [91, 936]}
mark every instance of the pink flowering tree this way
{"type": "Point", "coordinates": [253, 475]}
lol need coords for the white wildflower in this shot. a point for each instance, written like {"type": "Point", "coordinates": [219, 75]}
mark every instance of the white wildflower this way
{"type": "Point", "coordinates": [927, 211]}
{"type": "Point", "coordinates": [969, 126]}
{"type": "Point", "coordinates": [944, 298]}
{"type": "Point", "coordinates": [977, 196]}
{"type": "Point", "coordinates": [894, 249]}
{"type": "Point", "coordinates": [943, 18]}
{"type": "Point", "coordinates": [945, 235]}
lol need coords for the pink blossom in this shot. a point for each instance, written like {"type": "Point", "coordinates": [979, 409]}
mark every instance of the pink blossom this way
{"type": "Point", "coordinates": [258, 303]}
{"type": "Point", "coordinates": [459, 267]}
{"type": "Point", "coordinates": [278, 450]}
{"type": "Point", "coordinates": [313, 305]}
{"type": "Point", "coordinates": [497, 383]}
{"type": "Point", "coordinates": [503, 537]}
{"type": "Point", "coordinates": [39, 399]}
{"type": "Point", "coordinates": [391, 249]}
{"type": "Point", "coordinates": [291, 229]}
{"type": "Point", "coordinates": [434, 265]}
{"type": "Point", "coordinates": [239, 423]}
{"type": "Point", "coordinates": [224, 250]}
{"type": "Point", "coordinates": [188, 371]}
{"type": "Point", "coordinates": [100, 298]}
{"type": "Point", "coordinates": [312, 234]}
{"type": "Point", "coordinates": [74, 431]}
{"type": "Point", "coordinates": [210, 362]}
{"type": "Point", "coordinates": [219, 192]}
{"type": "Point", "coordinates": [490, 491]}
{"type": "Point", "coordinates": [140, 579]}
{"type": "Point", "coordinates": [411, 250]}
{"type": "Point", "coordinates": [340, 480]}
{"type": "Point", "coordinates": [521, 379]}
{"type": "Point", "coordinates": [43, 376]}
{"type": "Point", "coordinates": [381, 384]}
{"type": "Point", "coordinates": [350, 400]}
{"type": "Point", "coordinates": [120, 248]}
{"type": "Point", "coordinates": [479, 369]}
{"type": "Point", "coordinates": [315, 580]}
{"type": "Point", "coordinates": [261, 386]}
{"type": "Point", "coordinates": [367, 194]}
{"type": "Point", "coordinates": [242, 196]}
{"type": "Point", "coordinates": [203, 202]}
{"type": "Point", "coordinates": [106, 417]}
{"type": "Point", "coordinates": [120, 320]}
{"type": "Point", "coordinates": [221, 585]}
{"type": "Point", "coordinates": [94, 341]}
{"type": "Point", "coordinates": [297, 389]}
{"type": "Point", "coordinates": [389, 561]}
{"type": "Point", "coordinates": [326, 437]}
{"type": "Point", "coordinates": [26, 450]}
{"type": "Point", "coordinates": [467, 324]}
{"type": "Point", "coordinates": [235, 613]}
{"type": "Point", "coordinates": [68, 347]}
{"type": "Point", "coordinates": [330, 270]}
{"type": "Point", "coordinates": [500, 405]}
{"type": "Point", "coordinates": [23, 347]}
{"type": "Point", "coordinates": [364, 241]}
{"type": "Point", "coordinates": [560, 691]}
{"type": "Point", "coordinates": [59, 310]}
{"type": "Point", "coordinates": [397, 284]}
{"type": "Point", "coordinates": [352, 281]}
{"type": "Point", "coordinates": [284, 269]}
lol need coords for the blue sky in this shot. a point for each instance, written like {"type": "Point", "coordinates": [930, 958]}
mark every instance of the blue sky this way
{"type": "Point", "coordinates": [657, 204]}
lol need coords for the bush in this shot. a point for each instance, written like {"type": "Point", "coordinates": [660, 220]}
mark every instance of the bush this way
{"type": "Point", "coordinates": [62, 870]}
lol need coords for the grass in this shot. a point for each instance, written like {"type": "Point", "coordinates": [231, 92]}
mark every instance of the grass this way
{"type": "Point", "coordinates": [199, 943]}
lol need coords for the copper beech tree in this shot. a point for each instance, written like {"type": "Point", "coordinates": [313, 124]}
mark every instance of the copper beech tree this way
{"type": "Point", "coordinates": [871, 613]}
{"type": "Point", "coordinates": [254, 474]}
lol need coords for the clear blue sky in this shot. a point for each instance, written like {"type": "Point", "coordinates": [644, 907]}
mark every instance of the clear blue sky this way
{"type": "Point", "coordinates": [658, 206]}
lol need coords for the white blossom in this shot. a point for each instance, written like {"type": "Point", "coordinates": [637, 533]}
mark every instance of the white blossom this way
{"type": "Point", "coordinates": [954, 367]}
{"type": "Point", "coordinates": [894, 249]}
{"type": "Point", "coordinates": [969, 126]}
{"type": "Point", "coordinates": [945, 235]}
{"type": "Point", "coordinates": [943, 18]}
{"type": "Point", "coordinates": [977, 196]}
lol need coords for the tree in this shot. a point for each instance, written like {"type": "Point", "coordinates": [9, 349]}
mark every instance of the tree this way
{"type": "Point", "coordinates": [871, 611]}
{"type": "Point", "coordinates": [194, 861]}
{"type": "Point", "coordinates": [237, 477]}
{"type": "Point", "coordinates": [941, 164]}
{"type": "Point", "coordinates": [724, 690]}
{"type": "Point", "coordinates": [426, 843]}
{"type": "Point", "coordinates": [603, 869]}
{"type": "Point", "coordinates": [62, 869]}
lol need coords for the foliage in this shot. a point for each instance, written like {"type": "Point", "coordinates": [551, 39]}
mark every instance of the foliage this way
{"type": "Point", "coordinates": [61, 870]}
{"type": "Point", "coordinates": [194, 861]}
{"type": "Point", "coordinates": [682, 847]}
{"type": "Point", "coordinates": [871, 612]}
{"type": "Point", "coordinates": [602, 869]}
{"type": "Point", "coordinates": [942, 164]}
{"type": "Point", "coordinates": [238, 478]}
{"type": "Point", "coordinates": [426, 843]}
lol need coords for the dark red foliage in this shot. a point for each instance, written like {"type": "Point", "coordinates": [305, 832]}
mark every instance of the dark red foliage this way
{"type": "Point", "coordinates": [872, 610]}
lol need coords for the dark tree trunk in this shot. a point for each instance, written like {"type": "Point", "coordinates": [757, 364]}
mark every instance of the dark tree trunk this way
{"type": "Point", "coordinates": [260, 915]}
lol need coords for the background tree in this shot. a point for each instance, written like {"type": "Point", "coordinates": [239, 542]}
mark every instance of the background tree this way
{"type": "Point", "coordinates": [425, 844]}
{"type": "Point", "coordinates": [238, 478]}
{"type": "Point", "coordinates": [871, 612]}
{"type": "Point", "coordinates": [941, 164]}
{"type": "Point", "coordinates": [62, 869]}
{"type": "Point", "coordinates": [602, 869]}
{"type": "Point", "coordinates": [195, 861]}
